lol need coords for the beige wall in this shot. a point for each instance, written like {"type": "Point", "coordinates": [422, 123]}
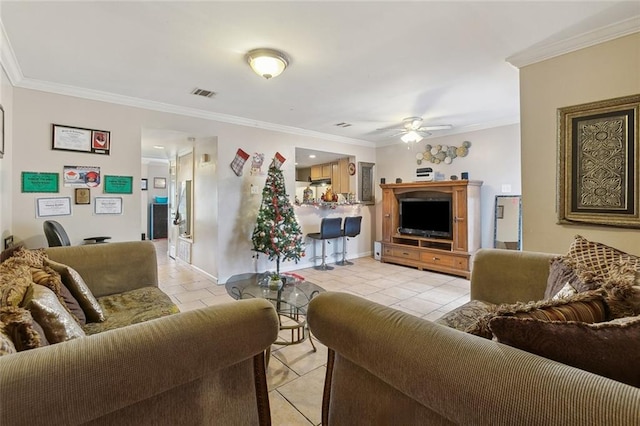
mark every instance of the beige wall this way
{"type": "Point", "coordinates": [493, 159]}
{"type": "Point", "coordinates": [604, 71]}
{"type": "Point", "coordinates": [230, 209]}
{"type": "Point", "coordinates": [6, 100]}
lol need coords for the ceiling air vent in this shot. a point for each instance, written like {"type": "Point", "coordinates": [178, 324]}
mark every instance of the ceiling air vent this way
{"type": "Point", "coordinates": [203, 92]}
{"type": "Point", "coordinates": [343, 125]}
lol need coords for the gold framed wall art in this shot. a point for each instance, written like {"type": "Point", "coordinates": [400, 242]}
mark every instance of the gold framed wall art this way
{"type": "Point", "coordinates": [598, 159]}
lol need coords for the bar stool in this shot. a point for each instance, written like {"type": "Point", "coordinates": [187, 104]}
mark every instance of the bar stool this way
{"type": "Point", "coordinates": [352, 225]}
{"type": "Point", "coordinates": [329, 230]}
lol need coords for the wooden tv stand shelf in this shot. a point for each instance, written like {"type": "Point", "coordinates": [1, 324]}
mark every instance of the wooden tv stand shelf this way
{"type": "Point", "coordinates": [451, 256]}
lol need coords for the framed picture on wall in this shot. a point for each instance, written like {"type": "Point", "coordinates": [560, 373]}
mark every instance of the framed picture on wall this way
{"type": "Point", "coordinates": [159, 182]}
{"type": "Point", "coordinates": [54, 206]}
{"type": "Point", "coordinates": [144, 184]}
{"type": "Point", "coordinates": [365, 187]}
{"type": "Point", "coordinates": [83, 196]}
{"type": "Point", "coordinates": [118, 184]}
{"type": "Point", "coordinates": [598, 166]}
{"type": "Point", "coordinates": [108, 205]}
{"type": "Point", "coordinates": [70, 138]}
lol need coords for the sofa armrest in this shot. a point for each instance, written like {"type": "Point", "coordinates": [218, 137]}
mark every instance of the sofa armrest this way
{"type": "Point", "coordinates": [411, 365]}
{"type": "Point", "coordinates": [116, 371]}
{"type": "Point", "coordinates": [508, 276]}
{"type": "Point", "coordinates": [111, 267]}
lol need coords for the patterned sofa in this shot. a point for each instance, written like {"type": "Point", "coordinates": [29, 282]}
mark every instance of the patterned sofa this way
{"type": "Point", "coordinates": [136, 360]}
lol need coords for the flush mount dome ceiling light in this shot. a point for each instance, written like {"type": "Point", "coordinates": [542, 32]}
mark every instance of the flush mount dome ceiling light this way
{"type": "Point", "coordinates": [267, 63]}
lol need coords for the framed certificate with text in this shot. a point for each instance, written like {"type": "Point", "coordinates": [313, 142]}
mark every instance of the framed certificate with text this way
{"type": "Point", "coordinates": [69, 138]}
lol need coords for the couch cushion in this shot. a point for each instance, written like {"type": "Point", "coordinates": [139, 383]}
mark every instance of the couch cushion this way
{"type": "Point", "coordinates": [610, 349]}
{"type": "Point", "coordinates": [79, 289]}
{"type": "Point", "coordinates": [55, 320]}
{"type": "Point", "coordinates": [463, 317]}
{"type": "Point", "coordinates": [142, 304]}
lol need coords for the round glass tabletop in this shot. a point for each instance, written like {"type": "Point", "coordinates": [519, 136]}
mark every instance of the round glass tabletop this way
{"type": "Point", "coordinates": [294, 294]}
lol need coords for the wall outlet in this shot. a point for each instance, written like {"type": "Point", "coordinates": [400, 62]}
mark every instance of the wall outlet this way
{"type": "Point", "coordinates": [506, 187]}
{"type": "Point", "coordinates": [255, 190]}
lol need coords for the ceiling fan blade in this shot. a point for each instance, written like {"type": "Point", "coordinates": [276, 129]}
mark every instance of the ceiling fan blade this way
{"type": "Point", "coordinates": [440, 127]}
{"type": "Point", "coordinates": [391, 129]}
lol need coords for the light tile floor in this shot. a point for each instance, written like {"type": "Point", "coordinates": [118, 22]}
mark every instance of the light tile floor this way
{"type": "Point", "coordinates": [296, 373]}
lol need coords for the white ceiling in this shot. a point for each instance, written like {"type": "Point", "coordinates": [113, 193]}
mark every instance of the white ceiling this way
{"type": "Point", "coordinates": [369, 64]}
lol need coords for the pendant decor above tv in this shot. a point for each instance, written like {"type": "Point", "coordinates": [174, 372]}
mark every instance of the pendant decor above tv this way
{"type": "Point", "coordinates": [431, 225]}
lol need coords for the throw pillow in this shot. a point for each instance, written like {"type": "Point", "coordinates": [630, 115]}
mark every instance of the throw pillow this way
{"type": "Point", "coordinates": [462, 317]}
{"type": "Point", "coordinates": [79, 289]}
{"type": "Point", "coordinates": [7, 253]}
{"type": "Point", "coordinates": [565, 292]}
{"type": "Point", "coordinates": [622, 290]}
{"type": "Point", "coordinates": [15, 279]}
{"type": "Point", "coordinates": [586, 307]}
{"type": "Point", "coordinates": [51, 279]}
{"type": "Point", "coordinates": [34, 257]}
{"type": "Point", "coordinates": [610, 349]}
{"type": "Point", "coordinates": [57, 323]}
{"type": "Point", "coordinates": [18, 324]}
{"type": "Point", "coordinates": [6, 344]}
{"type": "Point", "coordinates": [40, 331]}
{"type": "Point", "coordinates": [596, 259]}
{"type": "Point", "coordinates": [561, 273]}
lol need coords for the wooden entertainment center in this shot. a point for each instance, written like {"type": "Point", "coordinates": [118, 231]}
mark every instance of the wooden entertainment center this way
{"type": "Point", "coordinates": [451, 256]}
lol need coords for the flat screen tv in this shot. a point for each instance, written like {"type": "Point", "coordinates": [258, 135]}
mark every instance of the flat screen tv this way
{"type": "Point", "coordinates": [426, 217]}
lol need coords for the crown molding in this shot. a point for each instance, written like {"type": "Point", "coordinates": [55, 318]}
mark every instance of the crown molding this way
{"type": "Point", "coordinates": [544, 51]}
{"type": "Point", "coordinates": [97, 95]}
{"type": "Point", "coordinates": [17, 79]}
{"type": "Point", "coordinates": [8, 58]}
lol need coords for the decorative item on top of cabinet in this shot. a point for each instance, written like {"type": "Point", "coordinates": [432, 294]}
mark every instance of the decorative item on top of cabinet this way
{"type": "Point", "coordinates": [443, 153]}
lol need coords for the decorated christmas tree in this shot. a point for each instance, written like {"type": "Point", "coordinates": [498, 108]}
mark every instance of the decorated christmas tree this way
{"type": "Point", "coordinates": [277, 232]}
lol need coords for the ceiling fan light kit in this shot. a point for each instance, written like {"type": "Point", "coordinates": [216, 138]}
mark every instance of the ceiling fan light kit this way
{"type": "Point", "coordinates": [267, 63]}
{"type": "Point", "coordinates": [412, 129]}
{"type": "Point", "coordinates": [412, 136]}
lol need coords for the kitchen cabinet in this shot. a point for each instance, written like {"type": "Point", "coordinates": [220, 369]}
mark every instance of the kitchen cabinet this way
{"type": "Point", "coordinates": [321, 171]}
{"type": "Point", "coordinates": [326, 171]}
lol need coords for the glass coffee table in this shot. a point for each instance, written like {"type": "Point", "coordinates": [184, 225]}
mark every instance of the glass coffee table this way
{"type": "Point", "coordinates": [290, 301]}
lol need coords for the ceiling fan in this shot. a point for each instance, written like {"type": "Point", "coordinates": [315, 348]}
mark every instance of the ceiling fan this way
{"type": "Point", "coordinates": [412, 129]}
